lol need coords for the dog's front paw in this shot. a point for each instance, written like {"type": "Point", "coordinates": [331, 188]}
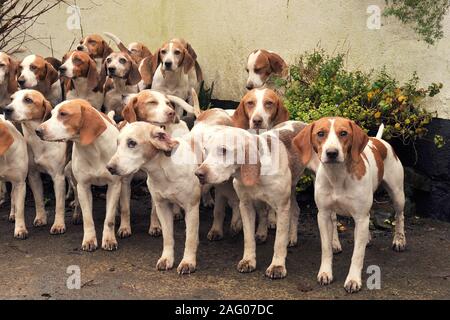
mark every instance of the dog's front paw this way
{"type": "Point", "coordinates": [164, 264]}
{"type": "Point", "coordinates": [155, 232]}
{"type": "Point", "coordinates": [124, 232]}
{"type": "Point", "coordinates": [276, 272]}
{"type": "Point", "coordinates": [337, 248]}
{"type": "Point", "coordinates": [399, 243]}
{"type": "Point", "coordinates": [352, 285]}
{"type": "Point", "coordinates": [12, 218]}
{"type": "Point", "coordinates": [89, 244]}
{"type": "Point", "coordinates": [235, 227]}
{"type": "Point", "coordinates": [246, 266]}
{"type": "Point", "coordinates": [215, 235]}
{"type": "Point", "coordinates": [21, 233]}
{"type": "Point", "coordinates": [77, 219]}
{"type": "Point", "coordinates": [186, 267]}
{"type": "Point", "coordinates": [109, 243]}
{"type": "Point", "coordinates": [58, 229]}
{"type": "Point", "coordinates": [325, 278]}
{"type": "Point", "coordinates": [261, 238]}
{"type": "Point", "coordinates": [40, 222]}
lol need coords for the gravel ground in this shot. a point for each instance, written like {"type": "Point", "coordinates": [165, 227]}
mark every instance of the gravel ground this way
{"type": "Point", "coordinates": [36, 268]}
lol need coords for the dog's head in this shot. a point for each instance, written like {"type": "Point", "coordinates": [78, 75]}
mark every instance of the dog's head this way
{"type": "Point", "coordinates": [95, 46]}
{"type": "Point", "coordinates": [121, 65]}
{"type": "Point", "coordinates": [260, 65]}
{"type": "Point", "coordinates": [78, 64]}
{"type": "Point", "coordinates": [36, 73]}
{"type": "Point", "coordinates": [8, 72]}
{"type": "Point", "coordinates": [174, 55]}
{"type": "Point", "coordinates": [28, 105]}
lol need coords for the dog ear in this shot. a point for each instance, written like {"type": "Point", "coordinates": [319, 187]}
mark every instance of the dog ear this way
{"type": "Point", "coordinates": [6, 139]}
{"type": "Point", "coordinates": [156, 60]}
{"type": "Point", "coordinates": [303, 142]}
{"type": "Point", "coordinates": [188, 61]}
{"type": "Point", "coordinates": [251, 169]}
{"type": "Point", "coordinates": [129, 112]}
{"type": "Point", "coordinates": [134, 77]}
{"type": "Point", "coordinates": [359, 143]}
{"type": "Point", "coordinates": [145, 69]}
{"type": "Point", "coordinates": [277, 64]}
{"type": "Point", "coordinates": [106, 50]}
{"type": "Point", "coordinates": [51, 75]}
{"type": "Point", "coordinates": [282, 114]}
{"type": "Point", "coordinates": [47, 110]}
{"type": "Point", "coordinates": [92, 76]}
{"type": "Point", "coordinates": [146, 53]}
{"type": "Point", "coordinates": [240, 117]}
{"type": "Point", "coordinates": [191, 51]}
{"type": "Point", "coordinates": [92, 125]}
{"type": "Point", "coordinates": [12, 76]}
{"type": "Point", "coordinates": [161, 140]}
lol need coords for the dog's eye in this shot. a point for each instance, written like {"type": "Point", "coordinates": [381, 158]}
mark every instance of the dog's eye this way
{"type": "Point", "coordinates": [109, 60]}
{"type": "Point", "coordinates": [92, 42]}
{"type": "Point", "coordinates": [321, 134]}
{"type": "Point", "coordinates": [177, 52]}
{"type": "Point", "coordinates": [246, 69]}
{"type": "Point", "coordinates": [269, 104]}
{"type": "Point", "coordinates": [33, 67]}
{"type": "Point", "coordinates": [131, 144]}
{"type": "Point", "coordinates": [344, 133]}
{"type": "Point", "coordinates": [163, 51]}
{"type": "Point", "coordinates": [223, 150]}
{"type": "Point", "coordinates": [257, 70]}
{"type": "Point", "coordinates": [250, 104]}
{"type": "Point", "coordinates": [122, 61]}
{"type": "Point", "coordinates": [2, 65]}
{"type": "Point", "coordinates": [28, 100]}
{"type": "Point", "coordinates": [63, 114]}
{"type": "Point", "coordinates": [77, 61]}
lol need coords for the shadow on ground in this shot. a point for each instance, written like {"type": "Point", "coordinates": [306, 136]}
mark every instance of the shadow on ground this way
{"type": "Point", "coordinates": [36, 268]}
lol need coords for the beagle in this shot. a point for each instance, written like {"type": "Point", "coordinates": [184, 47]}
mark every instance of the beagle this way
{"type": "Point", "coordinates": [352, 166]}
{"type": "Point", "coordinates": [97, 48]}
{"type": "Point", "coordinates": [175, 70]}
{"type": "Point", "coordinates": [82, 79]}
{"type": "Point", "coordinates": [264, 171]}
{"type": "Point", "coordinates": [261, 64]}
{"type": "Point", "coordinates": [8, 78]}
{"type": "Point", "coordinates": [95, 142]}
{"type": "Point", "coordinates": [30, 109]}
{"type": "Point", "coordinates": [144, 146]}
{"type": "Point", "coordinates": [14, 169]}
{"type": "Point", "coordinates": [122, 79]}
{"type": "Point", "coordinates": [37, 73]}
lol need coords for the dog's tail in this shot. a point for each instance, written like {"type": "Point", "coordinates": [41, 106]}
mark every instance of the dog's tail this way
{"type": "Point", "coordinates": [117, 41]}
{"type": "Point", "coordinates": [186, 106]}
{"type": "Point", "coordinates": [380, 132]}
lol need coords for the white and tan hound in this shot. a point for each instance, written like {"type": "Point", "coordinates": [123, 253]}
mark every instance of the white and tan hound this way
{"type": "Point", "coordinates": [261, 64]}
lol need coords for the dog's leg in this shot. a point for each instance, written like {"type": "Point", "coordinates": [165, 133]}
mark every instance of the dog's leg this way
{"type": "Point", "coordinates": [3, 192]}
{"type": "Point", "coordinates": [155, 227]}
{"type": "Point", "coordinates": [189, 262]}
{"type": "Point", "coordinates": [165, 216]}
{"type": "Point", "coordinates": [353, 282]}
{"type": "Point", "coordinates": [325, 275]}
{"type": "Point", "coordinates": [124, 204]}
{"type": "Point", "coordinates": [59, 186]}
{"type": "Point", "coordinates": [262, 231]}
{"type": "Point", "coordinates": [337, 248]}
{"type": "Point", "coordinates": [85, 198]}
{"type": "Point", "coordinates": [248, 214]}
{"type": "Point", "coordinates": [272, 220]}
{"type": "Point", "coordinates": [12, 212]}
{"type": "Point", "coordinates": [109, 241]}
{"type": "Point", "coordinates": [294, 214]}
{"type": "Point", "coordinates": [177, 214]}
{"type": "Point", "coordinates": [236, 221]}
{"type": "Point", "coordinates": [216, 232]}
{"type": "Point", "coordinates": [18, 194]}
{"type": "Point", "coordinates": [397, 195]}
{"type": "Point", "coordinates": [35, 181]}
{"type": "Point", "coordinates": [207, 200]}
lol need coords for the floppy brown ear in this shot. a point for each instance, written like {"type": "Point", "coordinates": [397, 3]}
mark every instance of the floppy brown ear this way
{"type": "Point", "coordinates": [92, 125]}
{"type": "Point", "coordinates": [282, 114]}
{"type": "Point", "coordinates": [146, 52]}
{"type": "Point", "coordinates": [188, 62]}
{"type": "Point", "coordinates": [250, 172]}
{"type": "Point", "coordinates": [156, 60]}
{"type": "Point", "coordinates": [134, 77]}
{"type": "Point", "coordinates": [240, 118]}
{"type": "Point", "coordinates": [277, 64]}
{"type": "Point", "coordinates": [6, 139]}
{"type": "Point", "coordinates": [93, 77]}
{"type": "Point", "coordinates": [12, 76]}
{"type": "Point", "coordinates": [51, 75]}
{"type": "Point", "coordinates": [106, 50]}
{"type": "Point", "coordinates": [129, 113]}
{"type": "Point", "coordinates": [303, 142]}
{"type": "Point", "coordinates": [47, 110]}
{"type": "Point", "coordinates": [191, 51]}
{"type": "Point", "coordinates": [359, 143]}
{"type": "Point", "coordinates": [145, 69]}
{"type": "Point", "coordinates": [161, 140]}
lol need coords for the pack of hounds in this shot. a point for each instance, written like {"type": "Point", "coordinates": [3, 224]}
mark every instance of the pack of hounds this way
{"type": "Point", "coordinates": [103, 117]}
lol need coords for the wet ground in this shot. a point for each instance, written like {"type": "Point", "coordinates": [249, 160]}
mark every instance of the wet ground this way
{"type": "Point", "coordinates": [37, 267]}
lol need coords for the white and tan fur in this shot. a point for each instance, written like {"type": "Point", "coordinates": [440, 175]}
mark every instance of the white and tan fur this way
{"type": "Point", "coordinates": [261, 64]}
{"type": "Point", "coordinates": [264, 173]}
{"type": "Point", "coordinates": [352, 166]}
{"type": "Point", "coordinates": [97, 48]}
{"type": "Point", "coordinates": [38, 74]}
{"type": "Point", "coordinates": [82, 78]}
{"type": "Point", "coordinates": [30, 109]}
{"type": "Point", "coordinates": [95, 142]}
{"type": "Point", "coordinates": [14, 169]}
{"type": "Point", "coordinates": [143, 146]}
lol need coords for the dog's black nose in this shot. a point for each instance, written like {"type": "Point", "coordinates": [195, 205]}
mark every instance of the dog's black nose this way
{"type": "Point", "coordinates": [250, 86]}
{"type": "Point", "coordinates": [21, 82]}
{"type": "Point", "coordinates": [62, 69]}
{"type": "Point", "coordinates": [80, 48]}
{"type": "Point", "coordinates": [112, 169]}
{"type": "Point", "coordinates": [257, 122]}
{"type": "Point", "coordinates": [111, 70]}
{"type": "Point", "coordinates": [332, 154]}
{"type": "Point", "coordinates": [168, 64]}
{"type": "Point", "coordinates": [201, 176]}
{"type": "Point", "coordinates": [8, 111]}
{"type": "Point", "coordinates": [40, 133]}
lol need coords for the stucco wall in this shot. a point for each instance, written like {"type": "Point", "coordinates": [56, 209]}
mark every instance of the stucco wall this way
{"type": "Point", "coordinates": [224, 32]}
